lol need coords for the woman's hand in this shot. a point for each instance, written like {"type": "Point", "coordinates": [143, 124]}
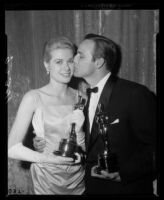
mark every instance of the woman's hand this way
{"type": "Point", "coordinates": [39, 143]}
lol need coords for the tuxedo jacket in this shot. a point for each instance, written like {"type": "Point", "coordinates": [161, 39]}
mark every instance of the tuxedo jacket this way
{"type": "Point", "coordinates": [132, 139]}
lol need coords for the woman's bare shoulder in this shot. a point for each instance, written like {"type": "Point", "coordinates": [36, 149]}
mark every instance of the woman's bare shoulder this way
{"type": "Point", "coordinates": [31, 96]}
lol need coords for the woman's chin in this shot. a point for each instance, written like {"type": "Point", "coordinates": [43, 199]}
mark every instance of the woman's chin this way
{"type": "Point", "coordinates": [66, 80]}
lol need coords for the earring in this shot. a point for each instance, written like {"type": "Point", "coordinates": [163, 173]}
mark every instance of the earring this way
{"type": "Point", "coordinates": [48, 72]}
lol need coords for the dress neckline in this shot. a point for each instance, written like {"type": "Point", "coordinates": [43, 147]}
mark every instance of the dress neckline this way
{"type": "Point", "coordinates": [46, 93]}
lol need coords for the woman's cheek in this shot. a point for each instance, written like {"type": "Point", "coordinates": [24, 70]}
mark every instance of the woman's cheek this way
{"type": "Point", "coordinates": [56, 68]}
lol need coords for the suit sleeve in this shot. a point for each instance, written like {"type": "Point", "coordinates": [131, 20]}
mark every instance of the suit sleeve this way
{"type": "Point", "coordinates": [142, 119]}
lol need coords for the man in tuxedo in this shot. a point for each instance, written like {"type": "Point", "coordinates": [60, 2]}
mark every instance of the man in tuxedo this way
{"type": "Point", "coordinates": [132, 112]}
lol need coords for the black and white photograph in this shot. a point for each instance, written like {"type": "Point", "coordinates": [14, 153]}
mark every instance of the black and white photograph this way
{"type": "Point", "coordinates": [81, 95]}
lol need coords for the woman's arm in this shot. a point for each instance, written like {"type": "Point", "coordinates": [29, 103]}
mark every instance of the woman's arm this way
{"type": "Point", "coordinates": [16, 150]}
{"type": "Point", "coordinates": [22, 120]}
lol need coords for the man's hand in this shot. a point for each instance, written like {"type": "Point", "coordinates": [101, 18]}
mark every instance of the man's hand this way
{"type": "Point", "coordinates": [62, 160]}
{"type": "Point", "coordinates": [58, 160]}
{"type": "Point", "coordinates": [105, 175]}
{"type": "Point", "coordinates": [78, 158]}
{"type": "Point", "coordinates": [39, 143]}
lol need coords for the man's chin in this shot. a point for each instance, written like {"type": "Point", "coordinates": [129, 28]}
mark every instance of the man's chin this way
{"type": "Point", "coordinates": [77, 75]}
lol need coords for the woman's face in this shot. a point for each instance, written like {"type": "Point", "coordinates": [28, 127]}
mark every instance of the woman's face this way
{"type": "Point", "coordinates": [61, 65]}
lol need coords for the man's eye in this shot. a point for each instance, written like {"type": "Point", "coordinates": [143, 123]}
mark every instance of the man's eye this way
{"type": "Point", "coordinates": [71, 61]}
{"type": "Point", "coordinates": [59, 62]}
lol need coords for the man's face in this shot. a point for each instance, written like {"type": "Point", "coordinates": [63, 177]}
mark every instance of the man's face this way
{"type": "Point", "coordinates": [84, 64]}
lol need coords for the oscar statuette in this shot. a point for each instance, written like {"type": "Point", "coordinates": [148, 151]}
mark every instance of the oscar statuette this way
{"type": "Point", "coordinates": [107, 160]}
{"type": "Point", "coordinates": [68, 146]}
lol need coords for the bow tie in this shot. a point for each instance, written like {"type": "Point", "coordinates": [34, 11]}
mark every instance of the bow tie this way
{"type": "Point", "coordinates": [90, 90]}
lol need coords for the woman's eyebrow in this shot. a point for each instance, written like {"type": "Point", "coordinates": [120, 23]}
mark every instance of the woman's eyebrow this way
{"type": "Point", "coordinates": [58, 59]}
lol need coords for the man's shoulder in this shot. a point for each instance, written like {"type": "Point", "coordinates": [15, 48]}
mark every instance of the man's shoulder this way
{"type": "Point", "coordinates": [135, 89]}
{"type": "Point", "coordinates": [131, 85]}
{"type": "Point", "coordinates": [127, 87]}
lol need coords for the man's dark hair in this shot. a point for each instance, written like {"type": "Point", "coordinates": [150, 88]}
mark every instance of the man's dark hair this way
{"type": "Point", "coordinates": [104, 48]}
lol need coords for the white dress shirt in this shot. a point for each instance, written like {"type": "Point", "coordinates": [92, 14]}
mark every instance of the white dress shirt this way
{"type": "Point", "coordinates": [94, 99]}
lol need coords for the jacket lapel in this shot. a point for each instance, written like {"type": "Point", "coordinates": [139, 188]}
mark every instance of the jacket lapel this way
{"type": "Point", "coordinates": [104, 99]}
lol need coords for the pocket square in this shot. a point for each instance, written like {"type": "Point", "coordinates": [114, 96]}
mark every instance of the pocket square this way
{"type": "Point", "coordinates": [115, 121]}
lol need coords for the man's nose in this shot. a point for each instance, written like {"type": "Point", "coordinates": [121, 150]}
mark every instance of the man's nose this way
{"type": "Point", "coordinates": [75, 59]}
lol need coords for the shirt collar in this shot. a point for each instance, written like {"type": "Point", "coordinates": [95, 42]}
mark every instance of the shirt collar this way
{"type": "Point", "coordinates": [102, 82]}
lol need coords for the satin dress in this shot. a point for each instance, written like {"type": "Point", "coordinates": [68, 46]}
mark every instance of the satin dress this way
{"type": "Point", "coordinates": [51, 178]}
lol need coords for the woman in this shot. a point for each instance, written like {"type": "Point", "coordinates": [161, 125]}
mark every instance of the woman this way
{"type": "Point", "coordinates": [51, 110]}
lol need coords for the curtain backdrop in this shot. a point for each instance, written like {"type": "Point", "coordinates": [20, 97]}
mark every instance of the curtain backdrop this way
{"type": "Point", "coordinates": [133, 30]}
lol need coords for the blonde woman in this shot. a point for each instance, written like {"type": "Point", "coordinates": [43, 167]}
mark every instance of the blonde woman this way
{"type": "Point", "coordinates": [50, 109]}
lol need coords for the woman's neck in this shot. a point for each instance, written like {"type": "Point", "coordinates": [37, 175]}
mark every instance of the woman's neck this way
{"type": "Point", "coordinates": [58, 89]}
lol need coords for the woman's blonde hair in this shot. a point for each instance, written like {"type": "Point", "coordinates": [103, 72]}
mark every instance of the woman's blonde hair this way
{"type": "Point", "coordinates": [57, 43]}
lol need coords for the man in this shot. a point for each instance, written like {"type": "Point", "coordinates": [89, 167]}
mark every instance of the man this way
{"type": "Point", "coordinates": [132, 111]}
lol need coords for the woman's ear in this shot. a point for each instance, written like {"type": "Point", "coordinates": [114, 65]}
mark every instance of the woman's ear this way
{"type": "Point", "coordinates": [99, 62]}
{"type": "Point", "coordinates": [46, 65]}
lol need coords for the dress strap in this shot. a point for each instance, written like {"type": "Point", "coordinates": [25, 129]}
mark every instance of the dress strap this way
{"type": "Point", "coordinates": [38, 98]}
{"type": "Point", "coordinates": [77, 96]}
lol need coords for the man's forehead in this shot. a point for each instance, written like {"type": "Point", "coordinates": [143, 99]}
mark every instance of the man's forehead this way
{"type": "Point", "coordinates": [85, 45]}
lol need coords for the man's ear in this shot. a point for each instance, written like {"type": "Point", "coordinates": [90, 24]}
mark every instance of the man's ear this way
{"type": "Point", "coordinates": [99, 62]}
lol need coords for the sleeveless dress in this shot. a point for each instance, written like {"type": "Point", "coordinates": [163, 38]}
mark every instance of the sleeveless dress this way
{"type": "Point", "coordinates": [49, 178]}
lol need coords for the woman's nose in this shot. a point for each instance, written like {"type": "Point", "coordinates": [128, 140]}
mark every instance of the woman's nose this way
{"type": "Point", "coordinates": [66, 66]}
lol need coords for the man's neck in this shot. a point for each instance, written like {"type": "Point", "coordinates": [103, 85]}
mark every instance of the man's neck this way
{"type": "Point", "coordinates": [94, 80]}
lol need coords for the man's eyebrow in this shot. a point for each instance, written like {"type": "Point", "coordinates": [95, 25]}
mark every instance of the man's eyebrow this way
{"type": "Point", "coordinates": [79, 52]}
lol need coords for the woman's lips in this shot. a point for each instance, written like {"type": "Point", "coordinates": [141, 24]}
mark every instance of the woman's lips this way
{"type": "Point", "coordinates": [66, 74]}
